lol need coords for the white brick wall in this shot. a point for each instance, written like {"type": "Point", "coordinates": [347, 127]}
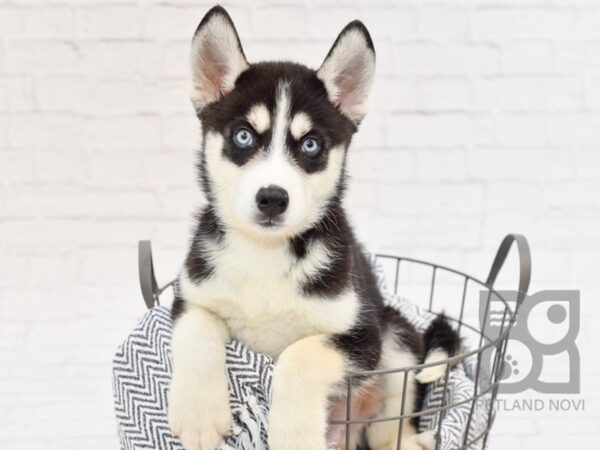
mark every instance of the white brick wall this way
{"type": "Point", "coordinates": [485, 119]}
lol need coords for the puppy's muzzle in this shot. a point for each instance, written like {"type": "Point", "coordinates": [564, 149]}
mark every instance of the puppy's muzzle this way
{"type": "Point", "coordinates": [272, 201]}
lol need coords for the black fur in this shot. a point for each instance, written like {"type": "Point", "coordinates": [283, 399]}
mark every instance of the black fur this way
{"type": "Point", "coordinates": [177, 308]}
{"type": "Point", "coordinates": [440, 334]}
{"type": "Point", "coordinates": [208, 228]}
{"type": "Point", "coordinates": [363, 342]}
{"type": "Point", "coordinates": [335, 233]}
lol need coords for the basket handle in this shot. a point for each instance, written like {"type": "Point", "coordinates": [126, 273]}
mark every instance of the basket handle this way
{"type": "Point", "coordinates": [524, 263]}
{"type": "Point", "coordinates": [148, 283]}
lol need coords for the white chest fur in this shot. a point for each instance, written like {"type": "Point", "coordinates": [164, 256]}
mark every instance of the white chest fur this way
{"type": "Point", "coordinates": [256, 290]}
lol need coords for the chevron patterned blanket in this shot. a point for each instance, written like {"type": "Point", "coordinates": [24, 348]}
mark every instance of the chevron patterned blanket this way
{"type": "Point", "coordinates": [142, 372]}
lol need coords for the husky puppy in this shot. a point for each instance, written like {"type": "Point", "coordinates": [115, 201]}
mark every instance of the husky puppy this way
{"type": "Point", "coordinates": [274, 263]}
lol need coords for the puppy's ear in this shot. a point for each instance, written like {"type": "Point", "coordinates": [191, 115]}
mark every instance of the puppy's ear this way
{"type": "Point", "coordinates": [217, 58]}
{"type": "Point", "coordinates": [348, 70]}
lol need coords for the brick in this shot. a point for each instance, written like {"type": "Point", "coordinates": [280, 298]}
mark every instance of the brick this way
{"type": "Point", "coordinates": [574, 129]}
{"type": "Point", "coordinates": [587, 23]}
{"type": "Point", "coordinates": [27, 56]}
{"type": "Point", "coordinates": [528, 57]}
{"type": "Point", "coordinates": [98, 266]}
{"type": "Point", "coordinates": [445, 130]}
{"type": "Point", "coordinates": [283, 22]}
{"type": "Point", "coordinates": [309, 53]}
{"type": "Point", "coordinates": [361, 194]}
{"type": "Point", "coordinates": [523, 23]}
{"type": "Point", "coordinates": [123, 57]}
{"type": "Point", "coordinates": [168, 95]}
{"type": "Point", "coordinates": [118, 95]}
{"type": "Point", "coordinates": [592, 92]}
{"type": "Point", "coordinates": [180, 203]}
{"type": "Point", "coordinates": [394, 94]}
{"type": "Point", "coordinates": [175, 62]}
{"type": "Point", "coordinates": [64, 92]}
{"type": "Point", "coordinates": [37, 203]}
{"type": "Point", "coordinates": [453, 199]}
{"type": "Point", "coordinates": [573, 230]}
{"type": "Point", "coordinates": [4, 130]}
{"type": "Point", "coordinates": [170, 22]}
{"type": "Point", "coordinates": [443, 94]}
{"type": "Point", "coordinates": [523, 129]}
{"type": "Point", "coordinates": [171, 169]}
{"type": "Point", "coordinates": [530, 93]}
{"type": "Point", "coordinates": [381, 165]}
{"type": "Point", "coordinates": [441, 165]}
{"type": "Point", "coordinates": [512, 196]}
{"type": "Point", "coordinates": [126, 132]}
{"type": "Point", "coordinates": [371, 132]}
{"type": "Point", "coordinates": [446, 23]}
{"type": "Point", "coordinates": [587, 162]}
{"type": "Point", "coordinates": [109, 21]}
{"type": "Point", "coordinates": [323, 23]}
{"type": "Point", "coordinates": [397, 235]}
{"type": "Point", "coordinates": [452, 59]}
{"type": "Point", "coordinates": [27, 235]}
{"type": "Point", "coordinates": [575, 194]}
{"type": "Point", "coordinates": [54, 270]}
{"type": "Point", "coordinates": [14, 273]}
{"type": "Point", "coordinates": [403, 26]}
{"type": "Point", "coordinates": [577, 56]}
{"type": "Point", "coordinates": [54, 22]}
{"type": "Point", "coordinates": [59, 130]}
{"type": "Point", "coordinates": [12, 20]}
{"type": "Point", "coordinates": [16, 93]}
{"type": "Point", "coordinates": [521, 164]}
{"type": "Point", "coordinates": [64, 166]}
{"type": "Point", "coordinates": [116, 169]}
{"type": "Point", "coordinates": [182, 132]}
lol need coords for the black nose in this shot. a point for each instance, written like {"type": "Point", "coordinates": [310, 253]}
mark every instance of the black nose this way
{"type": "Point", "coordinates": [272, 200]}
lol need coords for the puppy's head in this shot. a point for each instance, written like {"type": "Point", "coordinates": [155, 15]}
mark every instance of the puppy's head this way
{"type": "Point", "coordinates": [275, 134]}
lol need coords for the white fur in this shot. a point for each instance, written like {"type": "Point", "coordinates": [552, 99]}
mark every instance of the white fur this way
{"type": "Point", "coordinates": [199, 411]}
{"type": "Point", "coordinates": [259, 117]}
{"type": "Point", "coordinates": [348, 74]}
{"type": "Point", "coordinates": [258, 297]}
{"type": "Point", "coordinates": [216, 61]}
{"type": "Point", "coordinates": [300, 125]}
{"type": "Point", "coordinates": [302, 381]}
{"type": "Point", "coordinates": [384, 435]}
{"type": "Point", "coordinates": [282, 118]}
{"type": "Point", "coordinates": [433, 373]}
{"type": "Point", "coordinates": [236, 187]}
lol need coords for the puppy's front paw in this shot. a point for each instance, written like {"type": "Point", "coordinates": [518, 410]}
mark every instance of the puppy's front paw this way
{"type": "Point", "coordinates": [199, 414]}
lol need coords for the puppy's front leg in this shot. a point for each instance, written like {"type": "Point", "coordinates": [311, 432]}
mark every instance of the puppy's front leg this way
{"type": "Point", "coordinates": [303, 378]}
{"type": "Point", "coordinates": [199, 411]}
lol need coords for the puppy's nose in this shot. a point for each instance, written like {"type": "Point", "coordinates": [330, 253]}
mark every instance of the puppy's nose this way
{"type": "Point", "coordinates": [272, 200]}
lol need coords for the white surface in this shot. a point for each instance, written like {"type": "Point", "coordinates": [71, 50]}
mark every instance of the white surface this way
{"type": "Point", "coordinates": [484, 120]}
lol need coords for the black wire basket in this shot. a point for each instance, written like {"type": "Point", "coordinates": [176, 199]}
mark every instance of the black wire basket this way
{"type": "Point", "coordinates": [487, 346]}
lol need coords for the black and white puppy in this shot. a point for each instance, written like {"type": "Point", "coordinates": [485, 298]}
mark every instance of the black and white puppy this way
{"type": "Point", "coordinates": [274, 263]}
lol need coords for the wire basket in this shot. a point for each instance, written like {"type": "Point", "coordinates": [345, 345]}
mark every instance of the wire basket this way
{"type": "Point", "coordinates": [488, 346]}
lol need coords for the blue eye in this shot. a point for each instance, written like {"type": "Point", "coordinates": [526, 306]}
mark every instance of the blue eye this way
{"type": "Point", "coordinates": [243, 138]}
{"type": "Point", "coordinates": [311, 146]}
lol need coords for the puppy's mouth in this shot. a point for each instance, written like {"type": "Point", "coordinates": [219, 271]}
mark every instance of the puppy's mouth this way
{"type": "Point", "coordinates": [269, 222]}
